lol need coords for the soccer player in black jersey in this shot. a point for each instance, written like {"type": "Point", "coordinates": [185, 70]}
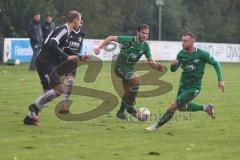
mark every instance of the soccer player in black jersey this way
{"type": "Point", "coordinates": [68, 69]}
{"type": "Point", "coordinates": [52, 54]}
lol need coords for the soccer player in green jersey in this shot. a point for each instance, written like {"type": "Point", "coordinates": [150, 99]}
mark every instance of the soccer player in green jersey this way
{"type": "Point", "coordinates": [192, 60]}
{"type": "Point", "coordinates": [132, 49]}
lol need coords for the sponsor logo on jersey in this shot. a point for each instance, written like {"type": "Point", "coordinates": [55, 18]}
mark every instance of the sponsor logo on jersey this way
{"type": "Point", "coordinates": [190, 67]}
{"type": "Point", "coordinates": [74, 44]}
{"type": "Point", "coordinates": [196, 60]}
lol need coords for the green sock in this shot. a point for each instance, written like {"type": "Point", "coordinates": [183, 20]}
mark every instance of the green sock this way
{"type": "Point", "coordinates": [122, 107]}
{"type": "Point", "coordinates": [192, 107]}
{"type": "Point", "coordinates": [124, 104]}
{"type": "Point", "coordinates": [165, 118]}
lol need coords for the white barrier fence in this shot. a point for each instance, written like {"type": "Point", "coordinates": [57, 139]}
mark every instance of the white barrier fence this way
{"type": "Point", "coordinates": [19, 48]}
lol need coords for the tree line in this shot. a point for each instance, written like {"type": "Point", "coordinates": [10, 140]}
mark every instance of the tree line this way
{"type": "Point", "coordinates": [210, 20]}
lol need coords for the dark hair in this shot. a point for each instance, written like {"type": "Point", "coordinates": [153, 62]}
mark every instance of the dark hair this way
{"type": "Point", "coordinates": [36, 13]}
{"type": "Point", "coordinates": [190, 34]}
{"type": "Point", "coordinates": [72, 15]}
{"type": "Point", "coordinates": [49, 15]}
{"type": "Point", "coordinates": [142, 26]}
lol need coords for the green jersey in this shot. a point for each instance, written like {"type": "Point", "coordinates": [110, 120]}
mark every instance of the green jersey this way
{"type": "Point", "coordinates": [193, 66]}
{"type": "Point", "coordinates": [131, 51]}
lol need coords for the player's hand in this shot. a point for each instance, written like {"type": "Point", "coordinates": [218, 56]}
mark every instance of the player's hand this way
{"type": "Point", "coordinates": [174, 62]}
{"type": "Point", "coordinates": [83, 58]}
{"type": "Point", "coordinates": [72, 58]}
{"type": "Point", "coordinates": [221, 85]}
{"type": "Point", "coordinates": [159, 67]}
{"type": "Point", "coordinates": [97, 51]}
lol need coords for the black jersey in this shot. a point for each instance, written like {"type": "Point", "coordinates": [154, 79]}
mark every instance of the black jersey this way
{"type": "Point", "coordinates": [52, 49]}
{"type": "Point", "coordinates": [75, 42]}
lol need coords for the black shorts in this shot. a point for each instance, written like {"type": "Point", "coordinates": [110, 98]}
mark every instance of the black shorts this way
{"type": "Point", "coordinates": [50, 75]}
{"type": "Point", "coordinates": [67, 68]}
{"type": "Point", "coordinates": [47, 73]}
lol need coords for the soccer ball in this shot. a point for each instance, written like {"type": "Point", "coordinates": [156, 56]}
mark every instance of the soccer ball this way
{"type": "Point", "coordinates": [143, 114]}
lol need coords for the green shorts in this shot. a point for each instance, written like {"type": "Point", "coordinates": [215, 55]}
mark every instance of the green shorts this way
{"type": "Point", "coordinates": [124, 72]}
{"type": "Point", "coordinates": [185, 96]}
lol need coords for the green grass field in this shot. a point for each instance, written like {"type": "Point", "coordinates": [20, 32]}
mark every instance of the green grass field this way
{"type": "Point", "coordinates": [108, 138]}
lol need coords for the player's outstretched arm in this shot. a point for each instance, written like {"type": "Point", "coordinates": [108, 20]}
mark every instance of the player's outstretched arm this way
{"type": "Point", "coordinates": [83, 58]}
{"type": "Point", "coordinates": [155, 65]}
{"type": "Point", "coordinates": [210, 60]}
{"type": "Point", "coordinates": [72, 58]}
{"type": "Point", "coordinates": [218, 70]}
{"type": "Point", "coordinates": [104, 43]}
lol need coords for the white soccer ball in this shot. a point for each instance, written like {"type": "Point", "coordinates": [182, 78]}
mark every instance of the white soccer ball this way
{"type": "Point", "coordinates": [143, 114]}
